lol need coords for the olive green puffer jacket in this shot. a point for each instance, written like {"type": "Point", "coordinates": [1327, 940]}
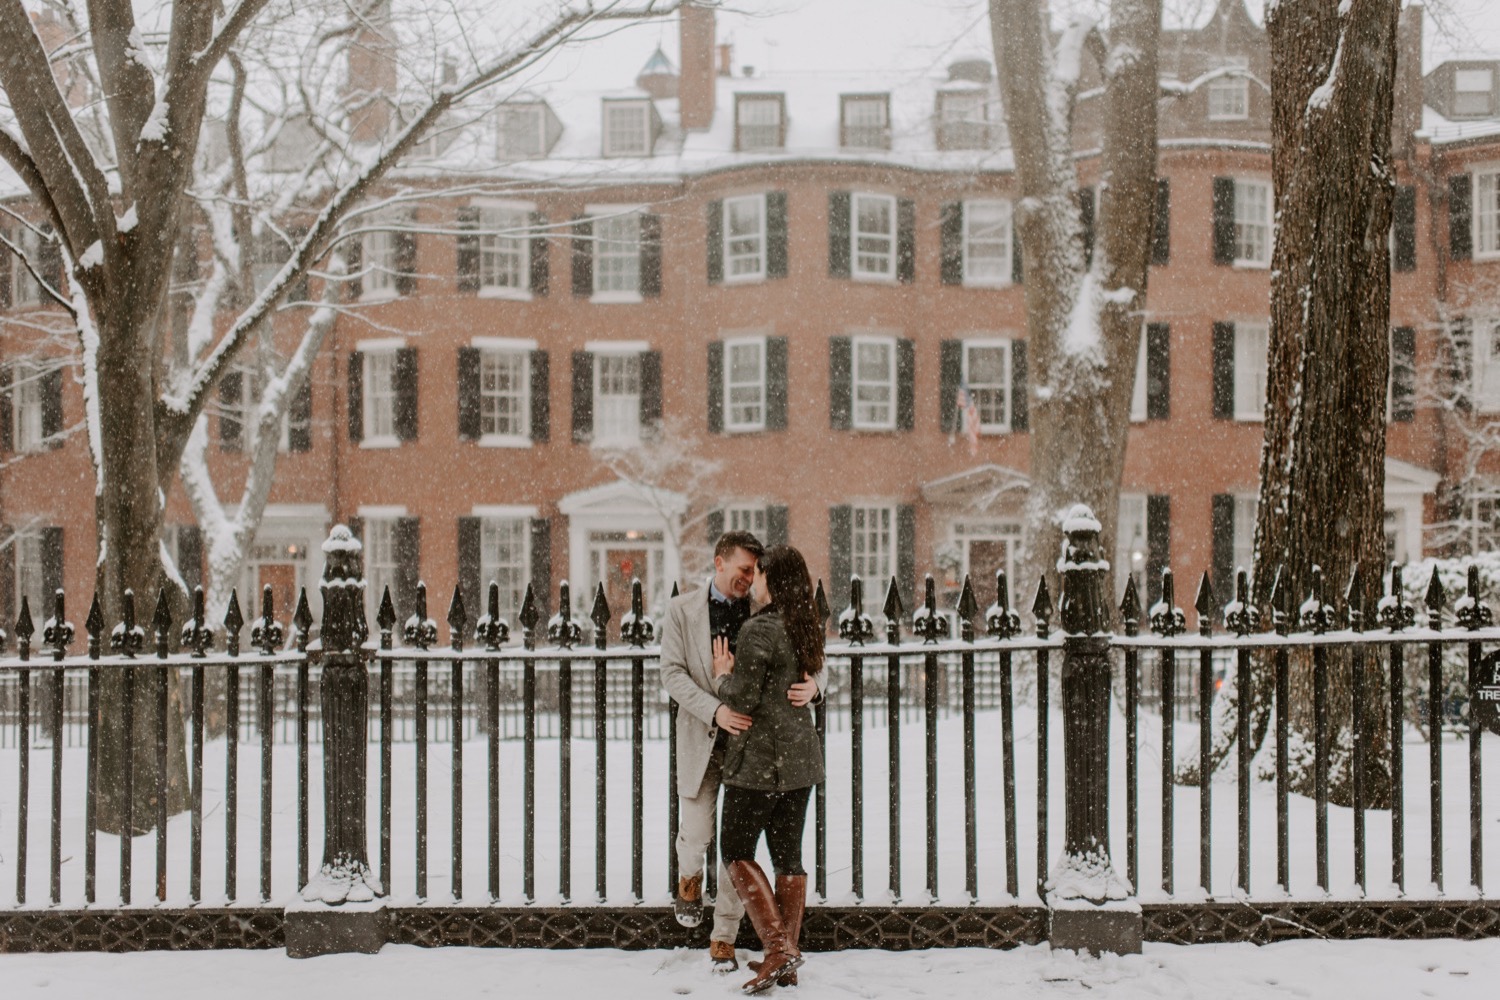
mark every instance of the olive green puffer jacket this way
{"type": "Point", "coordinates": [780, 751]}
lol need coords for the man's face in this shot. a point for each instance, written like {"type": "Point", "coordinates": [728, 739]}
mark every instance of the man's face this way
{"type": "Point", "coordinates": [734, 573]}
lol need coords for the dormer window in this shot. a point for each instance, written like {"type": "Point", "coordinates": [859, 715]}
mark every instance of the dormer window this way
{"type": "Point", "coordinates": [523, 131]}
{"type": "Point", "coordinates": [627, 128]}
{"type": "Point", "coordinates": [963, 119]}
{"type": "Point", "coordinates": [1229, 95]}
{"type": "Point", "coordinates": [759, 121]}
{"type": "Point", "coordinates": [1473, 93]}
{"type": "Point", "coordinates": [865, 121]}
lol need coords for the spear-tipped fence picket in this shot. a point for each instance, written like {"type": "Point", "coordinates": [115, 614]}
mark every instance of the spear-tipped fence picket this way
{"type": "Point", "coordinates": [891, 685]}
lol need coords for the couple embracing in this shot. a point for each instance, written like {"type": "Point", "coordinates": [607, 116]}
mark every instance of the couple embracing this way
{"type": "Point", "coordinates": [743, 659]}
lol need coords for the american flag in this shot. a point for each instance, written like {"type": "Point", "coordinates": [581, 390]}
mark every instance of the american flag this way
{"type": "Point", "coordinates": [970, 415]}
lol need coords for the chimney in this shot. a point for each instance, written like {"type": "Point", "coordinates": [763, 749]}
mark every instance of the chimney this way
{"type": "Point", "coordinates": [1406, 115]}
{"type": "Point", "coordinates": [726, 59]}
{"type": "Point", "coordinates": [372, 76]}
{"type": "Point", "coordinates": [696, 83]}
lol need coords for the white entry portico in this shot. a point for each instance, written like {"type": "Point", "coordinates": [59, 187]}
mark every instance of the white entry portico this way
{"type": "Point", "coordinates": [619, 532]}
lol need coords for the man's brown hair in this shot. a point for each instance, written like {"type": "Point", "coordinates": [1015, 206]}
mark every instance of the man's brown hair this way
{"type": "Point", "coordinates": [731, 540]}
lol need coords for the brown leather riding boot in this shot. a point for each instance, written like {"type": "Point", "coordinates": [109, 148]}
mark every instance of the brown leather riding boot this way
{"type": "Point", "coordinates": [791, 899]}
{"type": "Point", "coordinates": [781, 954]}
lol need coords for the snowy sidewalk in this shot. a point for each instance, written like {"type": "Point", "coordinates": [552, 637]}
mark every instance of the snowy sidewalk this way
{"type": "Point", "coordinates": [1370, 970]}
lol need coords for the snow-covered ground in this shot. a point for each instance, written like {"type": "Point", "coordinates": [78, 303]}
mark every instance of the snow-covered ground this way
{"type": "Point", "coordinates": [1369, 970]}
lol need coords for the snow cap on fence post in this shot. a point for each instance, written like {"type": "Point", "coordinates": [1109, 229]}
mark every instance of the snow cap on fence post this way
{"type": "Point", "coordinates": [1083, 609]}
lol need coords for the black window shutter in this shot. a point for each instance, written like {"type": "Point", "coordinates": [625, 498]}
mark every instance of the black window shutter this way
{"type": "Point", "coordinates": [299, 416]}
{"type": "Point", "coordinates": [1086, 214]}
{"type": "Point", "coordinates": [541, 268]}
{"type": "Point", "coordinates": [231, 428]}
{"type": "Point", "coordinates": [475, 595]}
{"type": "Point", "coordinates": [715, 525]}
{"type": "Point", "coordinates": [906, 241]}
{"type": "Point", "coordinates": [950, 377]}
{"type": "Point", "coordinates": [716, 387]}
{"type": "Point", "coordinates": [906, 384]}
{"type": "Point", "coordinates": [840, 383]}
{"type": "Point", "coordinates": [5, 303]}
{"type": "Point", "coordinates": [541, 396]}
{"type": "Point", "coordinates": [1161, 223]}
{"type": "Point", "coordinates": [583, 257]}
{"type": "Point", "coordinates": [1223, 546]}
{"type": "Point", "coordinates": [1020, 395]}
{"type": "Point", "coordinates": [52, 566]}
{"type": "Point", "coordinates": [650, 391]}
{"type": "Point", "coordinates": [1404, 220]}
{"type": "Point", "coordinates": [468, 394]}
{"type": "Point", "coordinates": [838, 234]}
{"type": "Point", "coordinates": [190, 555]}
{"type": "Point", "coordinates": [52, 408]}
{"type": "Point", "coordinates": [1223, 220]}
{"type": "Point", "coordinates": [1403, 374]}
{"type": "Point", "coordinates": [405, 410]}
{"type": "Point", "coordinates": [406, 541]}
{"type": "Point", "coordinates": [776, 525]}
{"type": "Point", "coordinates": [468, 249]}
{"type": "Point", "coordinates": [405, 259]}
{"type": "Point", "coordinates": [1460, 217]}
{"type": "Point", "coordinates": [776, 383]}
{"type": "Point", "coordinates": [1158, 371]}
{"type": "Point", "coordinates": [951, 239]}
{"type": "Point", "coordinates": [1223, 353]}
{"type": "Point", "coordinates": [906, 553]}
{"type": "Point", "coordinates": [49, 262]}
{"type": "Point", "coordinates": [1158, 543]}
{"type": "Point", "coordinates": [715, 242]}
{"type": "Point", "coordinates": [356, 526]}
{"type": "Point", "coordinates": [1017, 268]}
{"type": "Point", "coordinates": [840, 530]}
{"type": "Point", "coordinates": [650, 255]}
{"type": "Point", "coordinates": [8, 609]}
{"type": "Point", "coordinates": [1461, 368]}
{"type": "Point", "coordinates": [583, 396]}
{"type": "Point", "coordinates": [541, 564]}
{"type": "Point", "coordinates": [7, 427]}
{"type": "Point", "coordinates": [776, 239]}
{"type": "Point", "coordinates": [297, 291]}
{"type": "Point", "coordinates": [356, 396]}
{"type": "Point", "coordinates": [354, 252]}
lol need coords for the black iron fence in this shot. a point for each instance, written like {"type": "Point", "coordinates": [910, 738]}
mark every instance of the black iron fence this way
{"type": "Point", "coordinates": [943, 787]}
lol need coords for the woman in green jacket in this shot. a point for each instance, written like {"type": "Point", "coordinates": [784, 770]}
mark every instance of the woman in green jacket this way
{"type": "Point", "coordinates": [770, 768]}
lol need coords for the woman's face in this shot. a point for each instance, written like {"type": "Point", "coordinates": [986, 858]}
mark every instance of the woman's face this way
{"type": "Point", "coordinates": [758, 590]}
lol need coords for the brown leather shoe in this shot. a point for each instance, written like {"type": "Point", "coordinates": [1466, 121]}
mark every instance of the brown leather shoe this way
{"type": "Point", "coordinates": [688, 906]}
{"type": "Point", "coordinates": [722, 955]}
{"type": "Point", "coordinates": [791, 900]}
{"type": "Point", "coordinates": [781, 955]}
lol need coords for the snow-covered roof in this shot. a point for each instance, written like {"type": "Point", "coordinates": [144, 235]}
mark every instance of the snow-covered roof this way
{"type": "Point", "coordinates": [1439, 130]}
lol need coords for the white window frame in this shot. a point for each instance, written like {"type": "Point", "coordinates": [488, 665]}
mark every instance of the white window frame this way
{"type": "Point", "coordinates": [757, 422]}
{"type": "Point", "coordinates": [745, 127]}
{"type": "Point", "coordinates": [1001, 426]}
{"type": "Point", "coordinates": [607, 247]}
{"type": "Point", "coordinates": [1485, 347]}
{"type": "Point", "coordinates": [379, 544]}
{"type": "Point", "coordinates": [1484, 518]}
{"type": "Point", "coordinates": [1132, 542]}
{"type": "Point", "coordinates": [490, 350]}
{"type": "Point", "coordinates": [855, 382]}
{"type": "Point", "coordinates": [1250, 365]}
{"type": "Point", "coordinates": [508, 113]}
{"type": "Point", "coordinates": [246, 408]}
{"type": "Point", "coordinates": [753, 261]}
{"type": "Point", "coordinates": [377, 259]}
{"type": "Point", "coordinates": [26, 401]}
{"type": "Point", "coordinates": [955, 113]}
{"type": "Point", "coordinates": [873, 543]}
{"type": "Point", "coordinates": [611, 146]}
{"type": "Point", "coordinates": [379, 355]}
{"type": "Point", "coordinates": [749, 517]}
{"type": "Point", "coordinates": [1486, 212]}
{"type": "Point", "coordinates": [31, 579]}
{"type": "Point", "coordinates": [25, 290]}
{"type": "Point", "coordinates": [1243, 186]}
{"type": "Point", "coordinates": [1245, 509]}
{"type": "Point", "coordinates": [1003, 263]}
{"type": "Point", "coordinates": [1138, 404]}
{"type": "Point", "coordinates": [515, 520]}
{"type": "Point", "coordinates": [879, 127]}
{"type": "Point", "coordinates": [504, 236]}
{"type": "Point", "coordinates": [1229, 96]}
{"type": "Point", "coordinates": [1488, 91]}
{"type": "Point", "coordinates": [628, 430]}
{"type": "Point", "coordinates": [856, 271]}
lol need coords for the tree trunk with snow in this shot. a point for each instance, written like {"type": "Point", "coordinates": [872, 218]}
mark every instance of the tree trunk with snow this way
{"type": "Point", "coordinates": [1083, 319]}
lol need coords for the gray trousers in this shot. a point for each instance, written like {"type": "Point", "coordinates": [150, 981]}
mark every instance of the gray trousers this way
{"type": "Point", "coordinates": [695, 829]}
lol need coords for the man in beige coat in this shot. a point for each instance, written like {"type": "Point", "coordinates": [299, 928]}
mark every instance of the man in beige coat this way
{"type": "Point", "coordinates": [703, 724]}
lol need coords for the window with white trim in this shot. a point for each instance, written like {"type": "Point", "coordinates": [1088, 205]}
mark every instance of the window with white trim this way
{"type": "Point", "coordinates": [874, 383]}
{"type": "Point", "coordinates": [1484, 518]}
{"type": "Point", "coordinates": [246, 409]}
{"type": "Point", "coordinates": [617, 254]}
{"type": "Point", "coordinates": [745, 238]}
{"type": "Point", "coordinates": [617, 398]}
{"type": "Point", "coordinates": [873, 232]}
{"type": "Point", "coordinates": [380, 562]}
{"type": "Point", "coordinates": [1245, 508]}
{"type": "Point", "coordinates": [866, 120]}
{"type": "Point", "coordinates": [1252, 222]}
{"type": "Point", "coordinates": [1486, 350]}
{"type": "Point", "coordinates": [31, 577]}
{"type": "Point", "coordinates": [1138, 393]}
{"type": "Point", "coordinates": [379, 386]}
{"type": "Point", "coordinates": [378, 259]}
{"type": "Point", "coordinates": [1130, 543]}
{"type": "Point", "coordinates": [24, 288]}
{"type": "Point", "coordinates": [505, 558]}
{"type": "Point", "coordinates": [627, 128]}
{"type": "Point", "coordinates": [1487, 213]}
{"type": "Point", "coordinates": [504, 249]}
{"type": "Point", "coordinates": [26, 393]}
{"type": "Point", "coordinates": [987, 376]}
{"type": "Point", "coordinates": [1473, 91]}
{"type": "Point", "coordinates": [987, 242]}
{"type": "Point", "coordinates": [872, 543]}
{"type": "Point", "coordinates": [746, 517]}
{"type": "Point", "coordinates": [1229, 96]}
{"type": "Point", "coordinates": [745, 384]}
{"type": "Point", "coordinates": [758, 121]}
{"type": "Point", "coordinates": [522, 131]}
{"type": "Point", "coordinates": [504, 396]}
{"type": "Point", "coordinates": [963, 119]}
{"type": "Point", "coordinates": [1250, 347]}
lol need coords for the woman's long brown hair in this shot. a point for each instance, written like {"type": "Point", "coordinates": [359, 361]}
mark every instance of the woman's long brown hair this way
{"type": "Point", "coordinates": [791, 591]}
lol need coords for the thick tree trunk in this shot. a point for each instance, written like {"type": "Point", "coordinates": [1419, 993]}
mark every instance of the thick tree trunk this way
{"type": "Point", "coordinates": [1322, 468]}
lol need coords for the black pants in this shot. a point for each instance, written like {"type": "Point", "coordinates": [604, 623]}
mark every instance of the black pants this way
{"type": "Point", "coordinates": [780, 815]}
